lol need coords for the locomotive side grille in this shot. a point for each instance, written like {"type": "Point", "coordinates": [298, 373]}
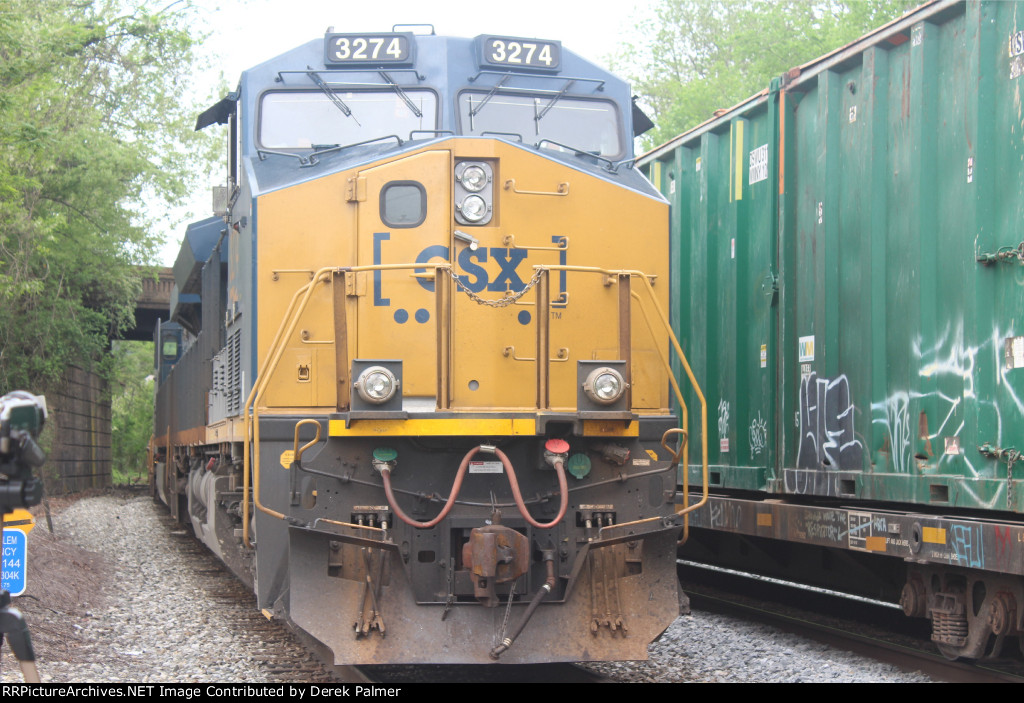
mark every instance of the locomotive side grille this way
{"type": "Point", "coordinates": [226, 388]}
{"type": "Point", "coordinates": [234, 373]}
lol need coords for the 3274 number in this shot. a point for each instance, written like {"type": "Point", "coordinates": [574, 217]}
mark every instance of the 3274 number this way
{"type": "Point", "coordinates": [366, 49]}
{"type": "Point", "coordinates": [519, 52]}
{"type": "Point", "coordinates": [358, 48]}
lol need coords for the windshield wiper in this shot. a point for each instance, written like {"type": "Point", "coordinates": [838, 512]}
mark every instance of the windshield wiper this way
{"type": "Point", "coordinates": [576, 151]}
{"type": "Point", "coordinates": [332, 96]}
{"type": "Point", "coordinates": [554, 100]}
{"type": "Point", "coordinates": [476, 110]}
{"type": "Point", "coordinates": [401, 93]}
{"type": "Point", "coordinates": [320, 149]}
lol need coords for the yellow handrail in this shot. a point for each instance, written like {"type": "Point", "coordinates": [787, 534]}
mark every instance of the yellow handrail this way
{"type": "Point", "coordinates": [684, 422]}
{"type": "Point", "coordinates": [298, 451]}
{"type": "Point", "coordinates": [248, 426]}
{"type": "Point", "coordinates": [277, 346]}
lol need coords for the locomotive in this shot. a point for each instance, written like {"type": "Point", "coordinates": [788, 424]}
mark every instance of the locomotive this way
{"type": "Point", "coordinates": [415, 383]}
{"type": "Point", "coordinates": [851, 238]}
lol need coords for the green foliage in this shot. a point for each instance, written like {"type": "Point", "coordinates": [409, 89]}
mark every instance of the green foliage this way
{"type": "Point", "coordinates": [95, 141]}
{"type": "Point", "coordinates": [131, 390]}
{"type": "Point", "coordinates": [697, 56]}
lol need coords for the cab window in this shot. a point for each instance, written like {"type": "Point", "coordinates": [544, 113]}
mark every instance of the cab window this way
{"type": "Point", "coordinates": [308, 120]}
{"type": "Point", "coordinates": [591, 126]}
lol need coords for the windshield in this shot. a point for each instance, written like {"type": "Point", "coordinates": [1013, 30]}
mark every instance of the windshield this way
{"type": "Point", "coordinates": [304, 120]}
{"type": "Point", "coordinates": [586, 125]}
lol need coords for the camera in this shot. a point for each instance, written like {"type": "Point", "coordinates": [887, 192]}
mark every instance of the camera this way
{"type": "Point", "coordinates": [22, 416]}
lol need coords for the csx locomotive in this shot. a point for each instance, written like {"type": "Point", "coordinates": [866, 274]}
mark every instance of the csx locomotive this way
{"type": "Point", "coordinates": [415, 386]}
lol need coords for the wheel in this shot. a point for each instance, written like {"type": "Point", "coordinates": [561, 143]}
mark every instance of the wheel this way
{"type": "Point", "coordinates": [950, 652]}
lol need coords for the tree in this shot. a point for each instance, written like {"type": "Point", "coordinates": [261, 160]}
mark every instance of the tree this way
{"type": "Point", "coordinates": [697, 56]}
{"type": "Point", "coordinates": [94, 135]}
{"type": "Point", "coordinates": [131, 390]}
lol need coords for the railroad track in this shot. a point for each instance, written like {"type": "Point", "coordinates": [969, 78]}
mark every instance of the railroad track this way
{"type": "Point", "coordinates": [268, 642]}
{"type": "Point", "coordinates": [840, 623]}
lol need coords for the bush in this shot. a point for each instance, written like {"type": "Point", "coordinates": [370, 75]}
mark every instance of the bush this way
{"type": "Point", "coordinates": [131, 395]}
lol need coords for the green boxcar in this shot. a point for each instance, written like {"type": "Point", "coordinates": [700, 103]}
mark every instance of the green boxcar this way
{"type": "Point", "coordinates": [849, 287]}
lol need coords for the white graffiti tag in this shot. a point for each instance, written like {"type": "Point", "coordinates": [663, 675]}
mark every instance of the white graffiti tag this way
{"type": "Point", "coordinates": [758, 435]}
{"type": "Point", "coordinates": [827, 438]}
{"type": "Point", "coordinates": [949, 370]}
{"type": "Point", "coordinates": [723, 419]}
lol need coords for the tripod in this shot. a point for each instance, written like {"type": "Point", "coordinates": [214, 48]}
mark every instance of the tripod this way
{"type": "Point", "coordinates": [14, 629]}
{"type": "Point", "coordinates": [21, 419]}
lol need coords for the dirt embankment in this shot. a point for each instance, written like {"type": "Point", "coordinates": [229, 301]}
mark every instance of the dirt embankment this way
{"type": "Point", "coordinates": [65, 584]}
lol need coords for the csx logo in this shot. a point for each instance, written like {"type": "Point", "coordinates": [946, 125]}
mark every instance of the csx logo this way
{"type": "Point", "coordinates": [496, 269]}
{"type": "Point", "coordinates": [475, 276]}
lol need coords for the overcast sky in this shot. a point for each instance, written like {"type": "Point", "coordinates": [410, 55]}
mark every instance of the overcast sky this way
{"type": "Point", "coordinates": [248, 33]}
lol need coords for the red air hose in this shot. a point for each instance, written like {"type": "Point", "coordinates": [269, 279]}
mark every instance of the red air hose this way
{"type": "Point", "coordinates": [563, 489]}
{"type": "Point", "coordinates": [456, 487]}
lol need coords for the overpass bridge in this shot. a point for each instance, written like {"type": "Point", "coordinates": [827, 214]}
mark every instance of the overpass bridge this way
{"type": "Point", "coordinates": [153, 304]}
{"type": "Point", "coordinates": [80, 411]}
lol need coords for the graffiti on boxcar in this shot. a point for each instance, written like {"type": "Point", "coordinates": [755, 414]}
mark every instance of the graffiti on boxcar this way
{"type": "Point", "coordinates": [827, 436]}
{"type": "Point", "coordinates": [947, 357]}
{"type": "Point", "coordinates": [949, 363]}
{"type": "Point", "coordinates": [1003, 549]}
{"type": "Point", "coordinates": [897, 424]}
{"type": "Point", "coordinates": [893, 414]}
{"type": "Point", "coordinates": [824, 526]}
{"type": "Point", "coordinates": [758, 435]}
{"type": "Point", "coordinates": [968, 545]}
{"type": "Point", "coordinates": [723, 424]}
{"type": "Point", "coordinates": [810, 482]}
{"type": "Point", "coordinates": [726, 516]}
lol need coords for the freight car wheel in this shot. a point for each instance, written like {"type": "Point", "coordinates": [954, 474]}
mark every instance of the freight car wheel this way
{"type": "Point", "coordinates": [950, 652]}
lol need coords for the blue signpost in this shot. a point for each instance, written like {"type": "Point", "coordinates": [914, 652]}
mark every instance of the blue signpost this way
{"type": "Point", "coordinates": [15, 555]}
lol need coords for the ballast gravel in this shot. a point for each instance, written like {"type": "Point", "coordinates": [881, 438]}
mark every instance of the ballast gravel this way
{"type": "Point", "coordinates": [133, 609]}
{"type": "Point", "coordinates": [713, 648]}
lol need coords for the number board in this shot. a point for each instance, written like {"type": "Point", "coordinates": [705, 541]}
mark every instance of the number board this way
{"type": "Point", "coordinates": [374, 49]}
{"type": "Point", "coordinates": [516, 52]}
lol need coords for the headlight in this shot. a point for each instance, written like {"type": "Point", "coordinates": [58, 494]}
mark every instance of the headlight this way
{"type": "Point", "coordinates": [473, 208]}
{"type": "Point", "coordinates": [604, 385]}
{"type": "Point", "coordinates": [473, 192]}
{"type": "Point", "coordinates": [376, 385]}
{"type": "Point", "coordinates": [474, 178]}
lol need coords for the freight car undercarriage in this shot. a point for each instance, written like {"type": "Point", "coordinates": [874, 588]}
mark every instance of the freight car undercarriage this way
{"type": "Point", "coordinates": [965, 574]}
